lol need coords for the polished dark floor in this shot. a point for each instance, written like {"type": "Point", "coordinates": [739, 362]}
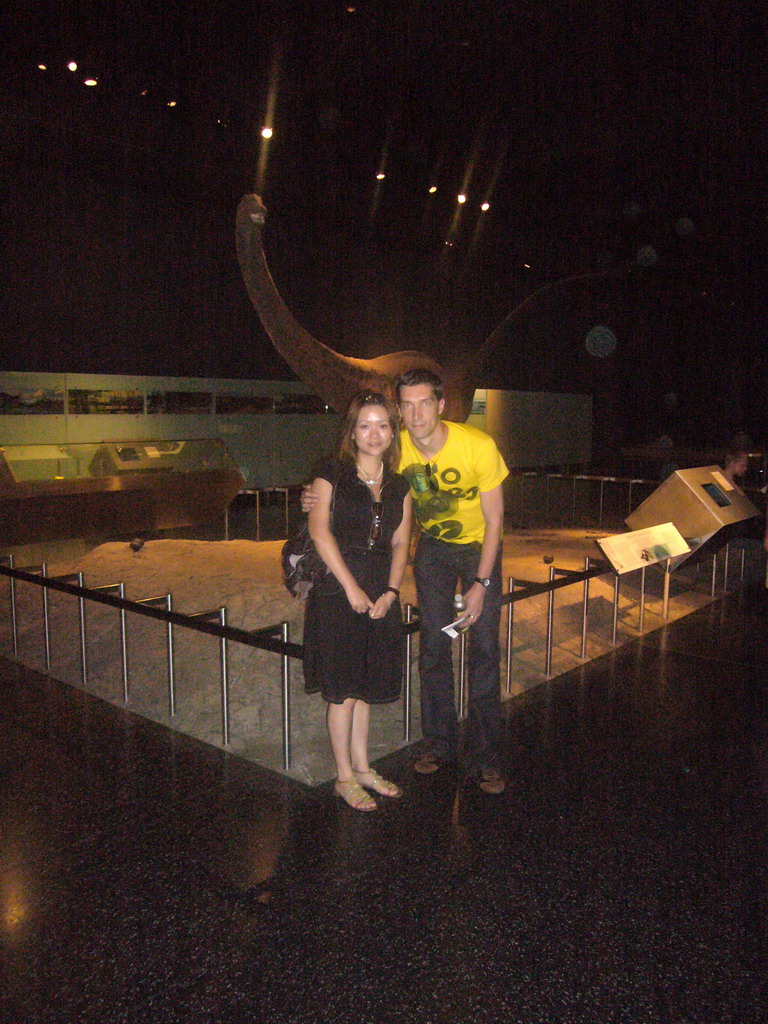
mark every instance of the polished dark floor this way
{"type": "Point", "coordinates": [623, 877]}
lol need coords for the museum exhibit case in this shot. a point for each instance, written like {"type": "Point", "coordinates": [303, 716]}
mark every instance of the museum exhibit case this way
{"type": "Point", "coordinates": [113, 489]}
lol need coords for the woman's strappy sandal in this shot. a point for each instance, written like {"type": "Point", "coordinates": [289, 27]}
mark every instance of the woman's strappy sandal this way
{"type": "Point", "coordinates": [372, 780]}
{"type": "Point", "coordinates": [352, 793]}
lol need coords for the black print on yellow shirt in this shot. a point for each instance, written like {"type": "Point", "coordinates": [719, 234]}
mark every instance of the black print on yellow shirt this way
{"type": "Point", "coordinates": [437, 507]}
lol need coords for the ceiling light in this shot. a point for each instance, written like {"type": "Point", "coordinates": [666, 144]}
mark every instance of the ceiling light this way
{"type": "Point", "coordinates": [485, 207]}
{"type": "Point", "coordinates": [461, 197]}
{"type": "Point", "coordinates": [171, 103]}
{"type": "Point", "coordinates": [42, 67]}
{"type": "Point", "coordinates": [72, 65]}
{"type": "Point", "coordinates": [432, 189]}
{"type": "Point", "coordinates": [380, 176]}
{"type": "Point", "coordinates": [90, 82]}
{"type": "Point", "coordinates": [266, 133]}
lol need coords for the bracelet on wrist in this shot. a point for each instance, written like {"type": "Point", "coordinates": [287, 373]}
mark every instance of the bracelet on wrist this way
{"type": "Point", "coordinates": [393, 590]}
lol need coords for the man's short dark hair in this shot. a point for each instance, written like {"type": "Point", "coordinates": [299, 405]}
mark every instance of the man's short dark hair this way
{"type": "Point", "coordinates": [419, 375]}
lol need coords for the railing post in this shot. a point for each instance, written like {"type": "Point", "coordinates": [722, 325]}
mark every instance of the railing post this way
{"type": "Point", "coordinates": [46, 620]}
{"type": "Point", "coordinates": [285, 629]}
{"type": "Point", "coordinates": [221, 615]}
{"type": "Point", "coordinates": [12, 599]}
{"type": "Point", "coordinates": [584, 611]}
{"type": "Point", "coordinates": [123, 643]}
{"type": "Point", "coordinates": [407, 676]}
{"type": "Point", "coordinates": [224, 679]}
{"type": "Point", "coordinates": [642, 600]}
{"type": "Point", "coordinates": [165, 601]}
{"type": "Point", "coordinates": [714, 575]}
{"type": "Point", "coordinates": [665, 610]}
{"type": "Point", "coordinates": [41, 570]}
{"type": "Point", "coordinates": [615, 608]}
{"type": "Point", "coordinates": [69, 577]}
{"type": "Point", "coordinates": [550, 623]}
{"type": "Point", "coordinates": [120, 588]}
{"type": "Point", "coordinates": [83, 648]}
{"type": "Point", "coordinates": [462, 674]}
{"type": "Point", "coordinates": [510, 625]}
{"type": "Point", "coordinates": [171, 658]}
{"type": "Point", "coordinates": [725, 567]}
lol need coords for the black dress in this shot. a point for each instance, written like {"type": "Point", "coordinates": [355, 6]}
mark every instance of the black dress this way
{"type": "Point", "coordinates": [348, 654]}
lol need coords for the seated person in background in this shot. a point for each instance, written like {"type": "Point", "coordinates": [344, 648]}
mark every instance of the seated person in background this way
{"type": "Point", "coordinates": [669, 465]}
{"type": "Point", "coordinates": [735, 462]}
{"type": "Point", "coordinates": [753, 538]}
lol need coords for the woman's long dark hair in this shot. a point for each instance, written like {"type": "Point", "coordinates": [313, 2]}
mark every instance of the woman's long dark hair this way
{"type": "Point", "coordinates": [348, 446]}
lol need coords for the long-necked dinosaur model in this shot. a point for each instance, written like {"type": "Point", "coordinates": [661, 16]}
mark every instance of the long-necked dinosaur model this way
{"type": "Point", "coordinates": [331, 375]}
{"type": "Point", "coordinates": [334, 377]}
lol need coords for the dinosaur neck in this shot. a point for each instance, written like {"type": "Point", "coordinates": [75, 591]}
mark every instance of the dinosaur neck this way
{"type": "Point", "coordinates": [331, 374]}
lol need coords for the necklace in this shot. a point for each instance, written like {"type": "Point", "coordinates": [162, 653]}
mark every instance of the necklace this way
{"type": "Point", "coordinates": [370, 480]}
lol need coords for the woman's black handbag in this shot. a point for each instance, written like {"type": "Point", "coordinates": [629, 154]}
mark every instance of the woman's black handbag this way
{"type": "Point", "coordinates": [303, 568]}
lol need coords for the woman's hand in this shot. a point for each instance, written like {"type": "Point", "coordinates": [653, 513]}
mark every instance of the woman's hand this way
{"type": "Point", "coordinates": [358, 599]}
{"type": "Point", "coordinates": [308, 498]}
{"type": "Point", "coordinates": [382, 605]}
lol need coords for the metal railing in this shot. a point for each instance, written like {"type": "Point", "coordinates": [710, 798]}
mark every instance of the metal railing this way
{"type": "Point", "coordinates": [276, 638]}
{"type": "Point", "coordinates": [528, 476]}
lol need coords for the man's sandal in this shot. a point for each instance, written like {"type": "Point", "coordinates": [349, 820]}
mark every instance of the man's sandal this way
{"type": "Point", "coordinates": [372, 780]}
{"type": "Point", "coordinates": [352, 793]}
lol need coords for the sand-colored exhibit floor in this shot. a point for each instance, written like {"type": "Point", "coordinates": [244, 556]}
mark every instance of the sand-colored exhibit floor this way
{"type": "Point", "coordinates": [244, 576]}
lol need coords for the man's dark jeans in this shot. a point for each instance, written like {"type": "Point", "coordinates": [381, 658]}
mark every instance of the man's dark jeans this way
{"type": "Point", "coordinates": [438, 566]}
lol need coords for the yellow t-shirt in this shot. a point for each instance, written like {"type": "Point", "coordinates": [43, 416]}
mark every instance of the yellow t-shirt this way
{"type": "Point", "coordinates": [446, 497]}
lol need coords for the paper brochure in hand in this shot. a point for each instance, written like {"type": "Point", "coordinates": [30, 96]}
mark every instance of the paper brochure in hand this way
{"type": "Point", "coordinates": [458, 626]}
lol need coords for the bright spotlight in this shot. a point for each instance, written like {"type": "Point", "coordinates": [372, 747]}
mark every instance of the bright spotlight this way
{"type": "Point", "coordinates": [266, 133]}
{"type": "Point", "coordinates": [462, 198]}
{"type": "Point", "coordinates": [42, 67]}
{"type": "Point", "coordinates": [90, 82]}
{"type": "Point", "coordinates": [171, 103]}
{"type": "Point", "coordinates": [485, 207]}
{"type": "Point", "coordinates": [433, 189]}
{"type": "Point", "coordinates": [72, 65]}
{"type": "Point", "coordinates": [380, 176]}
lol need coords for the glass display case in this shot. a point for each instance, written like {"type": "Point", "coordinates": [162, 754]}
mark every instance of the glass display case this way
{"type": "Point", "coordinates": [116, 488]}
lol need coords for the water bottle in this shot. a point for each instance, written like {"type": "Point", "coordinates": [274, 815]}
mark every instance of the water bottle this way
{"type": "Point", "coordinates": [459, 605]}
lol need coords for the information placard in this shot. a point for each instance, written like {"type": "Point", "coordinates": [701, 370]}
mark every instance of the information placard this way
{"type": "Point", "coordinates": [629, 551]}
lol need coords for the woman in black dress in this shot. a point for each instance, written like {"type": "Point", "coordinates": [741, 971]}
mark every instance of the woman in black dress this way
{"type": "Point", "coordinates": [352, 625]}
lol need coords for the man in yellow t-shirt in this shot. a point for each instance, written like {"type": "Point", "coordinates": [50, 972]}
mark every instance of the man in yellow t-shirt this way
{"type": "Point", "coordinates": [455, 472]}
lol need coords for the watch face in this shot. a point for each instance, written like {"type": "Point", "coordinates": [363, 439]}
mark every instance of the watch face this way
{"type": "Point", "coordinates": [485, 582]}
